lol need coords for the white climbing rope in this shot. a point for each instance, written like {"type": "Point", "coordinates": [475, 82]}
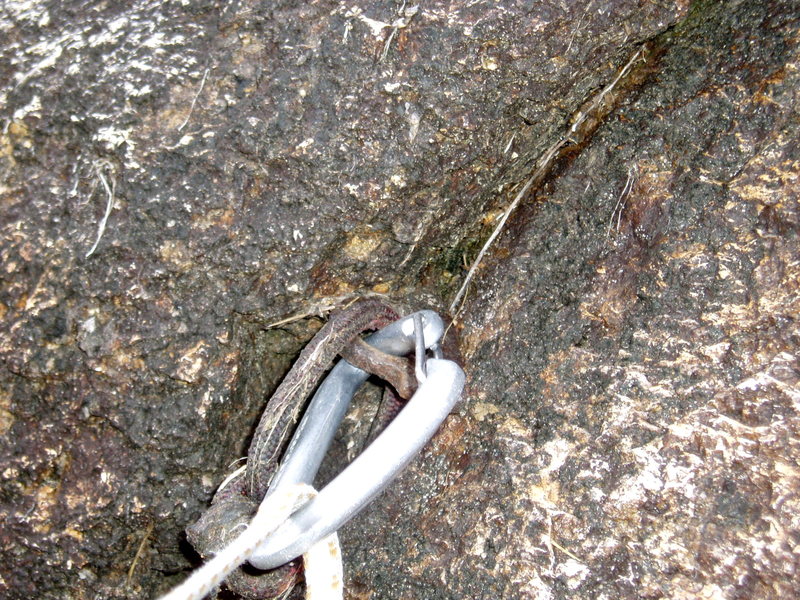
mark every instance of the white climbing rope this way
{"type": "Point", "coordinates": [323, 561]}
{"type": "Point", "coordinates": [323, 569]}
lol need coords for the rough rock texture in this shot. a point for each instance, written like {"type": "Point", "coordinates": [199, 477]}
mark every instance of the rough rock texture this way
{"type": "Point", "coordinates": [630, 428]}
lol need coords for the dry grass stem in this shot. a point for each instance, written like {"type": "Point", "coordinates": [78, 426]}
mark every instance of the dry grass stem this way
{"type": "Point", "coordinates": [101, 228]}
{"type": "Point", "coordinates": [194, 101]}
{"type": "Point", "coordinates": [541, 167]}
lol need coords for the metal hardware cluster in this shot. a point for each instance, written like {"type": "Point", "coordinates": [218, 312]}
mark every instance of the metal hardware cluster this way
{"type": "Point", "coordinates": [440, 384]}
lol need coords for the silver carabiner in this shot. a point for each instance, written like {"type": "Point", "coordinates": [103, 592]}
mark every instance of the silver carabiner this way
{"type": "Point", "coordinates": [372, 471]}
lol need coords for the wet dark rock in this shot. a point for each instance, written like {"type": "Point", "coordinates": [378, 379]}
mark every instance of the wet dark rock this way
{"type": "Point", "coordinates": [630, 427]}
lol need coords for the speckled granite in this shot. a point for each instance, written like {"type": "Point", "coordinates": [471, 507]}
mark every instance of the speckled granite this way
{"type": "Point", "coordinates": [630, 424]}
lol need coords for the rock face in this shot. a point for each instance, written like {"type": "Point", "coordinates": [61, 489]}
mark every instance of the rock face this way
{"type": "Point", "coordinates": [177, 176]}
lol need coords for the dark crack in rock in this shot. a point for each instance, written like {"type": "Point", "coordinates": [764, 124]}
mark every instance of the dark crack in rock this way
{"type": "Point", "coordinates": [631, 427]}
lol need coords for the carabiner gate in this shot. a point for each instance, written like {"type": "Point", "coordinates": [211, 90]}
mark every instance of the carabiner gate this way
{"type": "Point", "coordinates": [441, 382]}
